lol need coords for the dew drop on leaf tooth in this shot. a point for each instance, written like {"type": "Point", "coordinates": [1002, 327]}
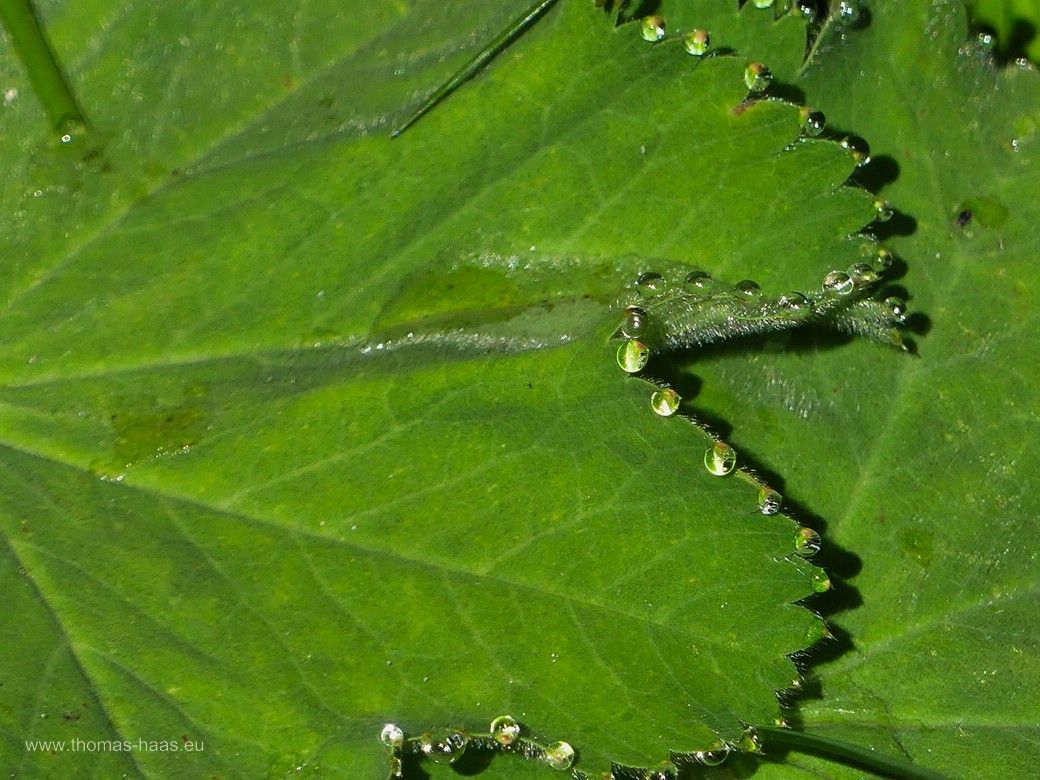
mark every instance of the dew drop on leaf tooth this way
{"type": "Point", "coordinates": [757, 77]}
{"type": "Point", "coordinates": [714, 756]}
{"type": "Point", "coordinates": [665, 402]}
{"type": "Point", "coordinates": [897, 307]}
{"type": "Point", "coordinates": [392, 735]}
{"type": "Point", "coordinates": [849, 11]}
{"type": "Point", "coordinates": [792, 301]}
{"type": "Point", "coordinates": [505, 730]}
{"type": "Point", "coordinates": [806, 542]}
{"type": "Point", "coordinates": [634, 324]}
{"type": "Point", "coordinates": [444, 747]}
{"type": "Point", "coordinates": [762, 3]}
{"type": "Point", "coordinates": [858, 149]}
{"type": "Point", "coordinates": [720, 459]}
{"type": "Point", "coordinates": [813, 122]}
{"type": "Point", "coordinates": [748, 288]}
{"type": "Point", "coordinates": [884, 258]}
{"type": "Point", "coordinates": [696, 280]}
{"type": "Point", "coordinates": [769, 501]}
{"type": "Point", "coordinates": [819, 580]}
{"type": "Point", "coordinates": [653, 28]}
{"type": "Point", "coordinates": [863, 274]}
{"type": "Point", "coordinates": [650, 284]}
{"type": "Point", "coordinates": [632, 356]}
{"type": "Point", "coordinates": [838, 282]}
{"type": "Point", "coordinates": [884, 210]}
{"type": "Point", "coordinates": [560, 756]}
{"type": "Point", "coordinates": [697, 42]}
{"type": "Point", "coordinates": [807, 10]}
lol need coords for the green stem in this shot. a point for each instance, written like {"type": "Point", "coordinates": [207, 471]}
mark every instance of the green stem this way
{"type": "Point", "coordinates": [485, 55]}
{"type": "Point", "coordinates": [48, 81]}
{"type": "Point", "coordinates": [842, 751]}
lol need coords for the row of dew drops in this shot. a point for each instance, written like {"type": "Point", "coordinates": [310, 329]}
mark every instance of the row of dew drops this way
{"type": "Point", "coordinates": [720, 459]}
{"type": "Point", "coordinates": [505, 735]}
{"type": "Point", "coordinates": [758, 77]}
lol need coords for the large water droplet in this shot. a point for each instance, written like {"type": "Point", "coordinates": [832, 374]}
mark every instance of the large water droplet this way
{"type": "Point", "coordinates": [650, 284]}
{"type": "Point", "coordinates": [713, 756]}
{"type": "Point", "coordinates": [884, 210]}
{"type": "Point", "coordinates": [696, 280]}
{"type": "Point", "coordinates": [838, 282]}
{"type": "Point", "coordinates": [560, 756]}
{"type": "Point", "coordinates": [897, 306]}
{"type": "Point", "coordinates": [762, 3]}
{"type": "Point", "coordinates": [757, 77]}
{"type": "Point", "coordinates": [697, 42]}
{"type": "Point", "coordinates": [813, 122]}
{"type": "Point", "coordinates": [748, 288]}
{"type": "Point", "coordinates": [769, 501]}
{"type": "Point", "coordinates": [792, 301]}
{"type": "Point", "coordinates": [443, 748]}
{"type": "Point", "coordinates": [632, 356]}
{"type": "Point", "coordinates": [750, 741]}
{"type": "Point", "coordinates": [505, 730]}
{"type": "Point", "coordinates": [392, 735]}
{"type": "Point", "coordinates": [665, 402]}
{"type": "Point", "coordinates": [634, 324]}
{"type": "Point", "coordinates": [806, 542]}
{"type": "Point", "coordinates": [720, 459]}
{"type": "Point", "coordinates": [653, 28]}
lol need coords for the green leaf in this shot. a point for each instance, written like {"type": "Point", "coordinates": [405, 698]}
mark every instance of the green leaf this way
{"type": "Point", "coordinates": [305, 429]}
{"type": "Point", "coordinates": [924, 470]}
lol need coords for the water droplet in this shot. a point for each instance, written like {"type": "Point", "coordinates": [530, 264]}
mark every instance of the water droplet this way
{"type": "Point", "coordinates": [697, 42]}
{"type": "Point", "coordinates": [696, 280]}
{"type": "Point", "coordinates": [747, 287]}
{"type": "Point", "coordinates": [443, 748]}
{"type": "Point", "coordinates": [884, 258]}
{"type": "Point", "coordinates": [807, 9]}
{"type": "Point", "coordinates": [806, 542]}
{"type": "Point", "coordinates": [819, 580]}
{"type": "Point", "coordinates": [763, 3]}
{"type": "Point", "coordinates": [505, 730]}
{"type": "Point", "coordinates": [720, 459]}
{"type": "Point", "coordinates": [560, 756]}
{"type": "Point", "coordinates": [713, 756]}
{"type": "Point", "coordinates": [769, 501]}
{"type": "Point", "coordinates": [792, 301]}
{"type": "Point", "coordinates": [897, 306]}
{"type": "Point", "coordinates": [632, 356]}
{"type": "Point", "coordinates": [813, 122]}
{"type": "Point", "coordinates": [634, 324]}
{"type": "Point", "coordinates": [849, 11]}
{"type": "Point", "coordinates": [665, 402]}
{"type": "Point", "coordinates": [757, 77]}
{"type": "Point", "coordinates": [884, 210]}
{"type": "Point", "coordinates": [858, 149]}
{"type": "Point", "coordinates": [650, 284]}
{"type": "Point", "coordinates": [653, 28]}
{"type": "Point", "coordinates": [986, 41]}
{"type": "Point", "coordinates": [750, 742]}
{"type": "Point", "coordinates": [863, 274]}
{"type": "Point", "coordinates": [838, 282]}
{"type": "Point", "coordinates": [392, 735]}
